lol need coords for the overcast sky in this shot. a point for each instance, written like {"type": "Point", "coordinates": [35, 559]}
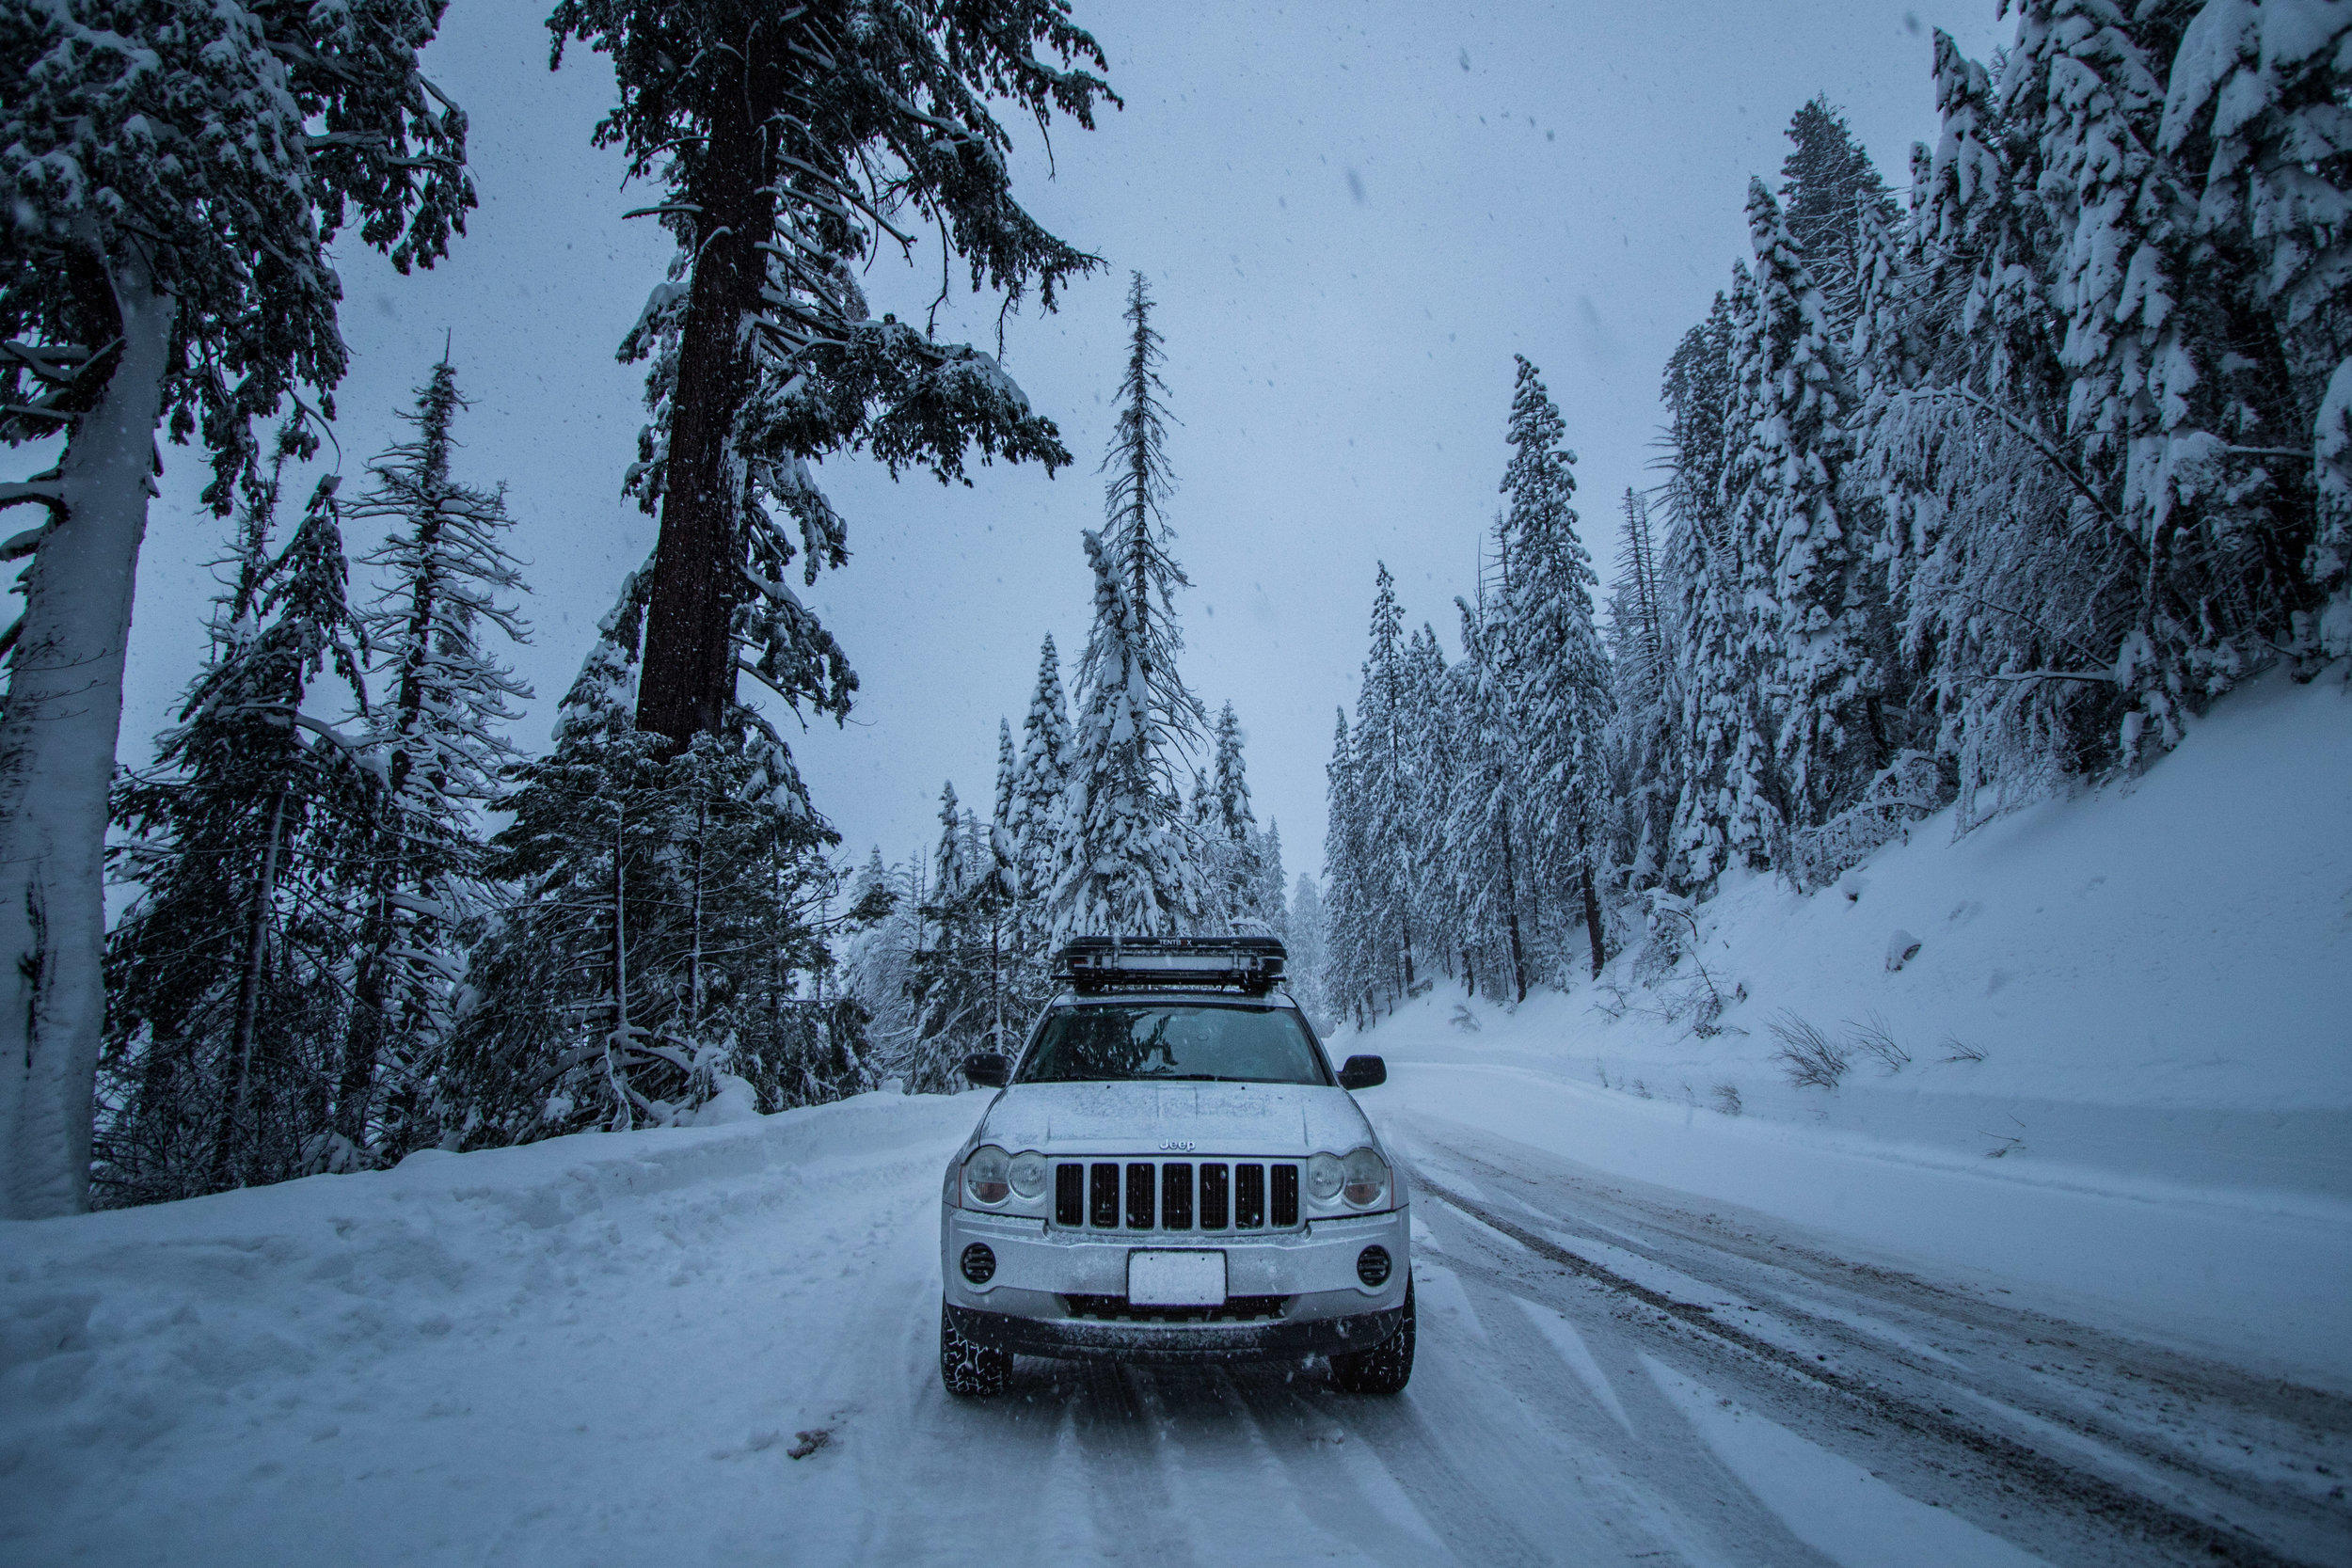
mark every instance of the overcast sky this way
{"type": "Point", "coordinates": [1352, 217]}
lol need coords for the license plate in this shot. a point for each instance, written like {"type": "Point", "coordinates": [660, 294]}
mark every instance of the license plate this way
{"type": "Point", "coordinates": [1194, 1277]}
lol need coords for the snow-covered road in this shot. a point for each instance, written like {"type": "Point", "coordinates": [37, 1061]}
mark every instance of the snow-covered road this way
{"type": "Point", "coordinates": [610, 1350]}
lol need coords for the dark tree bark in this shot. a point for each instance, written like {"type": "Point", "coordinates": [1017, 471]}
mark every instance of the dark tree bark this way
{"type": "Point", "coordinates": [689, 676]}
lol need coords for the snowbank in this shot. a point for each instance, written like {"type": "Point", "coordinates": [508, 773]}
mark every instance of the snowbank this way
{"type": "Point", "coordinates": [232, 1379]}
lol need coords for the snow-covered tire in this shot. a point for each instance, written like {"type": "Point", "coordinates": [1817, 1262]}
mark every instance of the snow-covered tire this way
{"type": "Point", "coordinates": [970, 1369]}
{"type": "Point", "coordinates": [1387, 1367]}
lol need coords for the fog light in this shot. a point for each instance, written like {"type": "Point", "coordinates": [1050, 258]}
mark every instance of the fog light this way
{"type": "Point", "coordinates": [979, 1264]}
{"type": "Point", "coordinates": [1372, 1265]}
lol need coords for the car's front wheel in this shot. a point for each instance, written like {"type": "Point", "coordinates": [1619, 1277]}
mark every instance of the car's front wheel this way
{"type": "Point", "coordinates": [1387, 1367]}
{"type": "Point", "coordinates": [969, 1368]}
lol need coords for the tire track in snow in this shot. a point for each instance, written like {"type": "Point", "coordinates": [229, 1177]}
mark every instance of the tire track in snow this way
{"type": "Point", "coordinates": [2055, 1481]}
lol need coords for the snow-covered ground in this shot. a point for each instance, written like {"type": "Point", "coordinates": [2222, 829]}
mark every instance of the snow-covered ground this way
{"type": "Point", "coordinates": [718, 1344]}
{"type": "Point", "coordinates": [1830, 1328]}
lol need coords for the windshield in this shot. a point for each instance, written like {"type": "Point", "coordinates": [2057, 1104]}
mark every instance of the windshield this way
{"type": "Point", "coordinates": [1171, 1041]}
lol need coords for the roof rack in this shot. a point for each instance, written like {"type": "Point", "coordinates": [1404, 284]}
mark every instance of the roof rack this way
{"type": "Point", "coordinates": [1249, 964]}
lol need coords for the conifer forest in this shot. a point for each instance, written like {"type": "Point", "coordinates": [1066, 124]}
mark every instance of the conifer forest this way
{"type": "Point", "coordinates": [1841, 530]}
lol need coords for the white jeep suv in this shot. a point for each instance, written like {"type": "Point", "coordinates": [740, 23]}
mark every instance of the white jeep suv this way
{"type": "Point", "coordinates": [1172, 1171]}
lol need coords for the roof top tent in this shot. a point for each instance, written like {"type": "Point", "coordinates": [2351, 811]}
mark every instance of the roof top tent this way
{"type": "Point", "coordinates": [1096, 965]}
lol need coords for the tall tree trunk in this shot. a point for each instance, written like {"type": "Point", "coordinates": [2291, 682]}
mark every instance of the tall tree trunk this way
{"type": "Point", "coordinates": [228, 1168]}
{"type": "Point", "coordinates": [1592, 900]}
{"type": "Point", "coordinates": [363, 1041]}
{"type": "Point", "coordinates": [688, 672]}
{"type": "Point", "coordinates": [57, 731]}
{"type": "Point", "coordinates": [624, 1113]}
{"type": "Point", "coordinates": [1511, 902]}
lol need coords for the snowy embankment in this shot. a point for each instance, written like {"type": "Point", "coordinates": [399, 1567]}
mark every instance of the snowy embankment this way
{"type": "Point", "coordinates": [565, 1352]}
{"type": "Point", "coordinates": [2128, 1032]}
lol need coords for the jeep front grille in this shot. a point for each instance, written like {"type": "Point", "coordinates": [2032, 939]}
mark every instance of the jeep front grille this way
{"type": "Point", "coordinates": [1176, 1195]}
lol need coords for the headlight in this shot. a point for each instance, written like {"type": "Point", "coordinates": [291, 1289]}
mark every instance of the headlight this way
{"type": "Point", "coordinates": [1325, 1175]}
{"type": "Point", "coordinates": [1028, 1173]}
{"type": "Point", "coordinates": [987, 1176]}
{"type": "Point", "coordinates": [1367, 1177]}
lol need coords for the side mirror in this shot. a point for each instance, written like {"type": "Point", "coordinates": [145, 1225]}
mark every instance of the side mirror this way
{"type": "Point", "coordinates": [1363, 1072]}
{"type": "Point", "coordinates": [987, 1069]}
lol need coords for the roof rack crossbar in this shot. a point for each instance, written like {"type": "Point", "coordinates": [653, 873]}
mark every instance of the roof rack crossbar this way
{"type": "Point", "coordinates": [1250, 964]}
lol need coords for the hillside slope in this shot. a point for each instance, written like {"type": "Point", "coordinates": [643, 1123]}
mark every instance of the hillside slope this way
{"type": "Point", "coordinates": [2158, 976]}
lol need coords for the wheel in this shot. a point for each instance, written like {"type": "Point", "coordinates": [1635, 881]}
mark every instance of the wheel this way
{"type": "Point", "coordinates": [970, 1369]}
{"type": "Point", "coordinates": [1387, 1367]}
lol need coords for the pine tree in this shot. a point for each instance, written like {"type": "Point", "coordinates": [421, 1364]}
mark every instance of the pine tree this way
{"type": "Point", "coordinates": [1273, 893]}
{"type": "Point", "coordinates": [1383, 905]}
{"type": "Point", "coordinates": [1832, 196]}
{"type": "Point", "coordinates": [1551, 654]}
{"type": "Point", "coordinates": [2256, 120]}
{"type": "Point", "coordinates": [1484, 829]}
{"type": "Point", "coordinates": [1797, 550]}
{"type": "Point", "coordinates": [958, 976]}
{"type": "Point", "coordinates": [879, 973]}
{"type": "Point", "coordinates": [1347, 971]}
{"type": "Point", "coordinates": [1309, 957]}
{"type": "Point", "coordinates": [788, 143]}
{"type": "Point", "coordinates": [1042, 778]}
{"type": "Point", "coordinates": [1137, 534]}
{"type": "Point", "coordinates": [1645, 762]}
{"type": "Point", "coordinates": [166, 259]}
{"type": "Point", "coordinates": [1231, 853]}
{"type": "Point", "coordinates": [227, 973]}
{"type": "Point", "coordinates": [664, 906]}
{"type": "Point", "coordinates": [437, 736]}
{"type": "Point", "coordinates": [1123, 862]}
{"type": "Point", "coordinates": [1727, 815]}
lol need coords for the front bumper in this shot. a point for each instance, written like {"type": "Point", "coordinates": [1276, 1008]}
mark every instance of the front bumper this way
{"type": "Point", "coordinates": [1051, 1287]}
{"type": "Point", "coordinates": [1273, 1340]}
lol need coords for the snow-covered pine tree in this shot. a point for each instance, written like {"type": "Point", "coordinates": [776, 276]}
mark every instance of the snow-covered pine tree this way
{"type": "Point", "coordinates": [1552, 655]}
{"type": "Point", "coordinates": [2001, 567]}
{"type": "Point", "coordinates": [1273, 893]}
{"type": "Point", "coordinates": [2256, 120]}
{"type": "Point", "coordinates": [436, 733]}
{"type": "Point", "coordinates": [885, 937]}
{"type": "Point", "coordinates": [1123, 860]}
{"type": "Point", "coordinates": [1831, 194]}
{"type": "Point", "coordinates": [1432, 763]}
{"type": "Point", "coordinates": [1231, 850]}
{"type": "Point", "coordinates": [789, 142]}
{"type": "Point", "coordinates": [1347, 971]}
{"type": "Point", "coordinates": [1043, 776]}
{"type": "Point", "coordinates": [166, 260]}
{"type": "Point", "coordinates": [1799, 556]}
{"type": "Point", "coordinates": [1645, 763]}
{"type": "Point", "coordinates": [1727, 815]}
{"type": "Point", "coordinates": [1309, 957]}
{"type": "Point", "coordinates": [1136, 531]}
{"type": "Point", "coordinates": [958, 976]}
{"type": "Point", "coordinates": [1485, 865]}
{"type": "Point", "coordinates": [663, 907]}
{"type": "Point", "coordinates": [1383, 900]}
{"type": "Point", "coordinates": [228, 973]}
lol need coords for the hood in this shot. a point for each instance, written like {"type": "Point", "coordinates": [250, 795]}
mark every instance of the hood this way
{"type": "Point", "coordinates": [1279, 1120]}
